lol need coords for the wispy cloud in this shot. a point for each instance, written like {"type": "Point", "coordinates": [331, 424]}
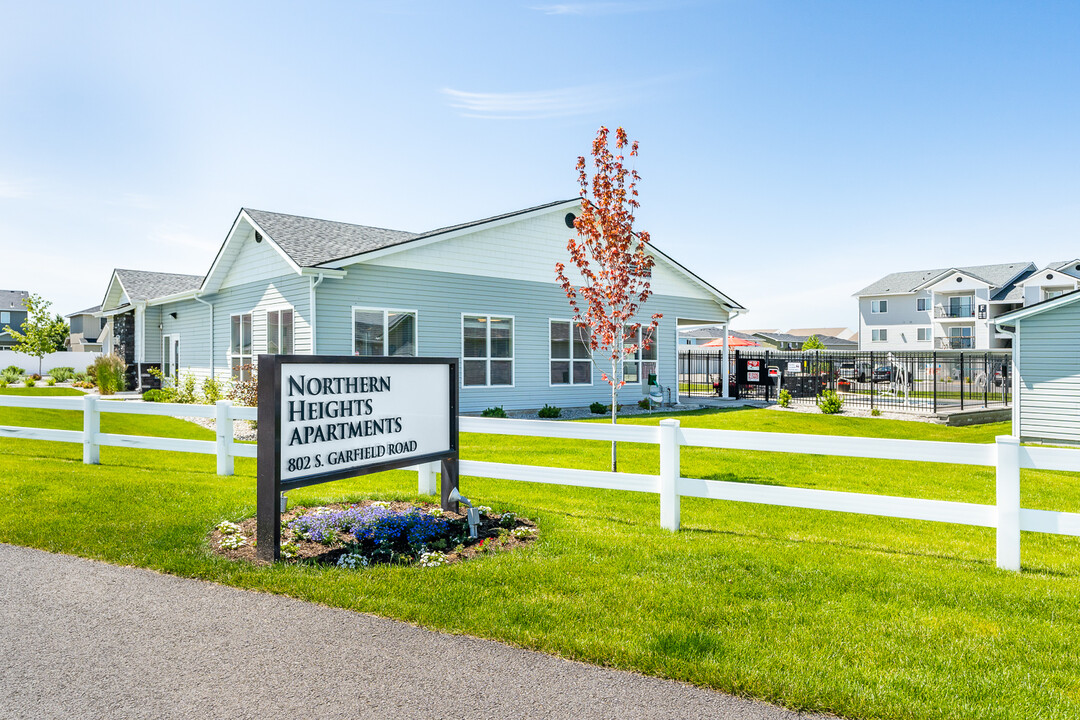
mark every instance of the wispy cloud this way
{"type": "Point", "coordinates": [599, 8]}
{"type": "Point", "coordinates": [537, 104]}
{"type": "Point", "coordinates": [14, 190]}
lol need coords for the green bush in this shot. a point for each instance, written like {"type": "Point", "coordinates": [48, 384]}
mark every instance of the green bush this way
{"type": "Point", "coordinates": [165, 395]}
{"type": "Point", "coordinates": [784, 399]}
{"type": "Point", "coordinates": [29, 382]}
{"type": "Point", "coordinates": [51, 381]}
{"type": "Point", "coordinates": [3, 383]}
{"type": "Point", "coordinates": [9, 375]}
{"type": "Point", "coordinates": [644, 404]}
{"type": "Point", "coordinates": [62, 374]}
{"type": "Point", "coordinates": [495, 412]}
{"type": "Point", "coordinates": [876, 412]}
{"type": "Point", "coordinates": [211, 390]}
{"type": "Point", "coordinates": [14, 370]}
{"type": "Point", "coordinates": [549, 411]}
{"type": "Point", "coordinates": [598, 408]}
{"type": "Point", "coordinates": [185, 389]}
{"type": "Point", "coordinates": [108, 373]}
{"type": "Point", "coordinates": [830, 403]}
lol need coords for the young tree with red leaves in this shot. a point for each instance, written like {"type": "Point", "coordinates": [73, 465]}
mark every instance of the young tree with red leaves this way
{"type": "Point", "coordinates": [612, 262]}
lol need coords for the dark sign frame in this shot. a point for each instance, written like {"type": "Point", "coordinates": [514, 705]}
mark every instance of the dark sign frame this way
{"type": "Point", "coordinates": [269, 484]}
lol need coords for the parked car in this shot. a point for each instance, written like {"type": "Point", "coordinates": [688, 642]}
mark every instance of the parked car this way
{"type": "Point", "coordinates": [886, 373]}
{"type": "Point", "coordinates": [858, 371]}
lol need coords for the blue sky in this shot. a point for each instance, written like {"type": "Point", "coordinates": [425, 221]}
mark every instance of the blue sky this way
{"type": "Point", "coordinates": [791, 152]}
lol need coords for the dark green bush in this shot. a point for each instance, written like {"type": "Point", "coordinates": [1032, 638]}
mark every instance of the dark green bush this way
{"type": "Point", "coordinates": [830, 403]}
{"type": "Point", "coordinates": [549, 411]}
{"type": "Point", "coordinates": [165, 395]}
{"type": "Point", "coordinates": [62, 374]}
{"type": "Point", "coordinates": [495, 412]}
{"type": "Point", "coordinates": [14, 370]}
{"type": "Point", "coordinates": [598, 408]}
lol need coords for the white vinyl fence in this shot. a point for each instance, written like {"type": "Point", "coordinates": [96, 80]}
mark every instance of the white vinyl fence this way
{"type": "Point", "coordinates": [77, 360]}
{"type": "Point", "coordinates": [1006, 455]}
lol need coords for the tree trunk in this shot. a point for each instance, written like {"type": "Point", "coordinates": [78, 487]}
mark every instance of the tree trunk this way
{"type": "Point", "coordinates": [614, 415]}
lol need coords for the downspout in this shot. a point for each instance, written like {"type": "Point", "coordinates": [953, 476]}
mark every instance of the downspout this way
{"type": "Point", "coordinates": [313, 283]}
{"type": "Point", "coordinates": [212, 328]}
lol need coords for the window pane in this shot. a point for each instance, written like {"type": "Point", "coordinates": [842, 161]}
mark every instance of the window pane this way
{"type": "Point", "coordinates": [245, 334]}
{"type": "Point", "coordinates": [286, 332]}
{"type": "Point", "coordinates": [581, 342]}
{"type": "Point", "coordinates": [475, 336]}
{"type": "Point", "coordinates": [235, 367]}
{"type": "Point", "coordinates": [502, 372]}
{"type": "Point", "coordinates": [476, 372]}
{"type": "Point", "coordinates": [401, 334]}
{"type": "Point", "coordinates": [560, 340]}
{"type": "Point", "coordinates": [649, 354]}
{"type": "Point", "coordinates": [368, 331]}
{"type": "Point", "coordinates": [234, 343]}
{"type": "Point", "coordinates": [583, 372]}
{"type": "Point", "coordinates": [272, 333]}
{"type": "Point", "coordinates": [502, 344]}
{"type": "Point", "coordinates": [648, 368]}
{"type": "Point", "coordinates": [631, 338]}
{"type": "Point", "coordinates": [560, 372]}
{"type": "Point", "coordinates": [630, 372]}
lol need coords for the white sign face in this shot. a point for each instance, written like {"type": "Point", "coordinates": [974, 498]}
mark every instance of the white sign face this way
{"type": "Point", "coordinates": [341, 416]}
{"type": "Point", "coordinates": [794, 366]}
{"type": "Point", "coordinates": [753, 364]}
{"type": "Point", "coordinates": [753, 377]}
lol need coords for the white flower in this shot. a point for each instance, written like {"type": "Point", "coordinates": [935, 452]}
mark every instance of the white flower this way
{"type": "Point", "coordinates": [228, 528]}
{"type": "Point", "coordinates": [483, 509]}
{"type": "Point", "coordinates": [436, 512]}
{"type": "Point", "coordinates": [380, 503]}
{"type": "Point", "coordinates": [232, 542]}
{"type": "Point", "coordinates": [523, 532]}
{"type": "Point", "coordinates": [433, 559]}
{"type": "Point", "coordinates": [353, 560]}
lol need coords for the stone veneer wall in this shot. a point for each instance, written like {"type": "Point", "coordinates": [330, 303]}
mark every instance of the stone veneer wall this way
{"type": "Point", "coordinates": [124, 334]}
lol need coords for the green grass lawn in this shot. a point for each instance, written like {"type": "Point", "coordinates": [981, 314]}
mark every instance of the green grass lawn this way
{"type": "Point", "coordinates": [862, 616]}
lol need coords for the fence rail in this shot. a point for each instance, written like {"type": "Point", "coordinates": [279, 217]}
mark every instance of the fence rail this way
{"type": "Point", "coordinates": [1006, 455]}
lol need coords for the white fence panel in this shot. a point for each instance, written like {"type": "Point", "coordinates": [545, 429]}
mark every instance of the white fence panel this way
{"type": "Point", "coordinates": [561, 476]}
{"type": "Point", "coordinates": [77, 360]}
{"type": "Point", "coordinates": [11, 431]}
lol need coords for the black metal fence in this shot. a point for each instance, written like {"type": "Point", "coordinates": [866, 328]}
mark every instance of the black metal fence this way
{"type": "Point", "coordinates": [910, 381]}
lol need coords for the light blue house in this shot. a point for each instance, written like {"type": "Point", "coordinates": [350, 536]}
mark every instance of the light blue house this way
{"type": "Point", "coordinates": [484, 291]}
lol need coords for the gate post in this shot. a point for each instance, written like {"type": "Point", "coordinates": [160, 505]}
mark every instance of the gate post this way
{"type": "Point", "coordinates": [933, 368]}
{"type": "Point", "coordinates": [425, 478]}
{"type": "Point", "coordinates": [871, 379]}
{"type": "Point", "coordinates": [91, 428]}
{"type": "Point", "coordinates": [1008, 502]}
{"type": "Point", "coordinates": [669, 474]}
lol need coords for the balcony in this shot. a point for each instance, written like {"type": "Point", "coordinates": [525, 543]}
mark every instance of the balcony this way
{"type": "Point", "coordinates": [963, 310]}
{"type": "Point", "coordinates": [955, 343]}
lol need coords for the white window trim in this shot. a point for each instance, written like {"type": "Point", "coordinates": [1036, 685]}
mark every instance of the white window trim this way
{"type": "Point", "coordinates": [571, 384]}
{"type": "Point", "coordinates": [229, 354]}
{"type": "Point", "coordinates": [174, 337]}
{"type": "Point", "coordinates": [5, 318]}
{"type": "Point", "coordinates": [386, 331]}
{"type": "Point", "coordinates": [925, 302]}
{"type": "Point", "coordinates": [513, 353]}
{"type": "Point", "coordinates": [641, 379]}
{"type": "Point", "coordinates": [875, 307]}
{"type": "Point", "coordinates": [928, 331]}
{"type": "Point", "coordinates": [266, 327]}
{"type": "Point", "coordinates": [879, 332]}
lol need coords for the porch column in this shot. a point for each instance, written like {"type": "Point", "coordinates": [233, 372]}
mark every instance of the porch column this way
{"type": "Point", "coordinates": [724, 363]}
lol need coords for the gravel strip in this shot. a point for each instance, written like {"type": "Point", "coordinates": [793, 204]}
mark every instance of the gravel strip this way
{"type": "Point", "coordinates": [861, 413]}
{"type": "Point", "coordinates": [83, 639]}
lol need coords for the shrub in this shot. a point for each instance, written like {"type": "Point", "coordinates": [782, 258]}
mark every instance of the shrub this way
{"type": "Point", "coordinates": [9, 376]}
{"type": "Point", "coordinates": [211, 390]}
{"type": "Point", "coordinates": [108, 370]}
{"type": "Point", "coordinates": [29, 382]}
{"type": "Point", "coordinates": [549, 411]}
{"type": "Point", "coordinates": [14, 370]}
{"type": "Point", "coordinates": [185, 389]}
{"type": "Point", "coordinates": [51, 381]}
{"type": "Point", "coordinates": [644, 404]}
{"type": "Point", "coordinates": [495, 412]}
{"type": "Point", "coordinates": [165, 395]}
{"type": "Point", "coordinates": [246, 392]}
{"type": "Point", "coordinates": [830, 403]}
{"type": "Point", "coordinates": [876, 412]}
{"type": "Point", "coordinates": [784, 399]}
{"type": "Point", "coordinates": [36, 377]}
{"type": "Point", "coordinates": [598, 408]}
{"type": "Point", "coordinates": [62, 374]}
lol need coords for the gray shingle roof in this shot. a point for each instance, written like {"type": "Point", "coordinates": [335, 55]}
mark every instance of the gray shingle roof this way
{"type": "Point", "coordinates": [311, 242]}
{"type": "Point", "coordinates": [713, 332]}
{"type": "Point", "coordinates": [143, 285]}
{"type": "Point", "coordinates": [787, 338]}
{"type": "Point", "coordinates": [12, 299]}
{"type": "Point", "coordinates": [905, 282]}
{"type": "Point", "coordinates": [87, 311]}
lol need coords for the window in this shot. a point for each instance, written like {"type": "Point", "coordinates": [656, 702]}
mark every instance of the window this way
{"type": "Point", "coordinates": [384, 333]}
{"type": "Point", "coordinates": [5, 318]}
{"type": "Point", "coordinates": [640, 364]}
{"type": "Point", "coordinates": [240, 347]}
{"type": "Point", "coordinates": [879, 335]}
{"type": "Point", "coordinates": [487, 345]}
{"type": "Point", "coordinates": [570, 361]}
{"type": "Point", "coordinates": [879, 306]}
{"type": "Point", "coordinates": [924, 334]}
{"type": "Point", "coordinates": [1051, 293]}
{"type": "Point", "coordinates": [279, 332]}
{"type": "Point", "coordinates": [922, 304]}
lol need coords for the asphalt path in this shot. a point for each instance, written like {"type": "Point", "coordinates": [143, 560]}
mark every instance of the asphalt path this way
{"type": "Point", "coordinates": [85, 639]}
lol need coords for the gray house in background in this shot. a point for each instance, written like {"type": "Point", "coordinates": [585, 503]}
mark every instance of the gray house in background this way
{"type": "Point", "coordinates": [12, 313]}
{"type": "Point", "coordinates": [484, 291]}
{"type": "Point", "coordinates": [85, 329]}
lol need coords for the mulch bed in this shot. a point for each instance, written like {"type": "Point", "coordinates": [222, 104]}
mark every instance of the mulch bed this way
{"type": "Point", "coordinates": [489, 539]}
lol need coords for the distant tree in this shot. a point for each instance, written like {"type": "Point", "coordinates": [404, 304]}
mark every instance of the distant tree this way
{"type": "Point", "coordinates": [611, 259]}
{"type": "Point", "coordinates": [812, 343]}
{"type": "Point", "coordinates": [60, 333]}
{"type": "Point", "coordinates": [39, 331]}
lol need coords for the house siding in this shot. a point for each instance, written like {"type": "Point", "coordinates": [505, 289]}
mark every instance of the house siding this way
{"type": "Point", "coordinates": [1049, 375]}
{"type": "Point", "coordinates": [440, 299]}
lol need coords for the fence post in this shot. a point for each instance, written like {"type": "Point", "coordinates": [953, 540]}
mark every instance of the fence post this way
{"type": "Point", "coordinates": [933, 364]}
{"type": "Point", "coordinates": [224, 427]}
{"type": "Point", "coordinates": [1008, 502]}
{"type": "Point", "coordinates": [669, 474]}
{"type": "Point", "coordinates": [91, 425]}
{"type": "Point", "coordinates": [425, 479]}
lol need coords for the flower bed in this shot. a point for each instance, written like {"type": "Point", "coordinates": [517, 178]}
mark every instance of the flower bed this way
{"type": "Point", "coordinates": [374, 532]}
